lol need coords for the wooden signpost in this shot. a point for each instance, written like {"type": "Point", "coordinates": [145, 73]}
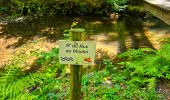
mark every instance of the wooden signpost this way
{"type": "Point", "coordinates": [77, 52]}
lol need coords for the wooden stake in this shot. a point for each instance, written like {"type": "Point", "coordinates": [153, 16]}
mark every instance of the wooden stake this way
{"type": "Point", "coordinates": [76, 70]}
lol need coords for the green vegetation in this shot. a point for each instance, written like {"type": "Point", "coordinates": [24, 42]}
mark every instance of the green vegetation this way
{"type": "Point", "coordinates": [132, 75]}
{"type": "Point", "coordinates": [135, 77]}
{"type": "Point", "coordinates": [41, 83]}
{"type": "Point", "coordinates": [65, 7]}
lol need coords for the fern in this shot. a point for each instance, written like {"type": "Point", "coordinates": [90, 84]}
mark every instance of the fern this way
{"type": "Point", "coordinates": [133, 54]}
{"type": "Point", "coordinates": [151, 83]}
{"type": "Point", "coordinates": [144, 67]}
{"type": "Point", "coordinates": [164, 52]}
{"type": "Point", "coordinates": [148, 62]}
{"type": "Point", "coordinates": [14, 90]}
{"type": "Point", "coordinates": [15, 84]}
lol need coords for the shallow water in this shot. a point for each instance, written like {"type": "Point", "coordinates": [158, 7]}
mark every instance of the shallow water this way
{"type": "Point", "coordinates": [111, 37]}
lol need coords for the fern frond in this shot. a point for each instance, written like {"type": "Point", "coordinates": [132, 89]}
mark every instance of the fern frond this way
{"type": "Point", "coordinates": [165, 51]}
{"type": "Point", "coordinates": [151, 83]}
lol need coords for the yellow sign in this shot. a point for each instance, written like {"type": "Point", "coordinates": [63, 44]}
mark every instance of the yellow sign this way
{"type": "Point", "coordinates": [77, 52]}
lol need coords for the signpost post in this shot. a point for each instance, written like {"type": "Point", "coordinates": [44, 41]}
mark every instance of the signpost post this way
{"type": "Point", "coordinates": [76, 53]}
{"type": "Point", "coordinates": [76, 70]}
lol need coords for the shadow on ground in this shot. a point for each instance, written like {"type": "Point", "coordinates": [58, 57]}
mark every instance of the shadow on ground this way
{"type": "Point", "coordinates": [50, 28]}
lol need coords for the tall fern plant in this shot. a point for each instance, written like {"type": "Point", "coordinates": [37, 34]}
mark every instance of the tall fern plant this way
{"type": "Point", "coordinates": [15, 84]}
{"type": "Point", "coordinates": [146, 66]}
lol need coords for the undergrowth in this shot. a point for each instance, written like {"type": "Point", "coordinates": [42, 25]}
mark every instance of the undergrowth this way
{"type": "Point", "coordinates": [64, 7]}
{"type": "Point", "coordinates": [19, 84]}
{"type": "Point", "coordinates": [135, 77]}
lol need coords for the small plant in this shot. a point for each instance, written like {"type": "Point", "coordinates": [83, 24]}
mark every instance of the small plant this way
{"type": "Point", "coordinates": [85, 8]}
{"type": "Point", "coordinates": [118, 5]}
{"type": "Point", "coordinates": [67, 33]}
{"type": "Point", "coordinates": [2, 9]}
{"type": "Point", "coordinates": [109, 65]}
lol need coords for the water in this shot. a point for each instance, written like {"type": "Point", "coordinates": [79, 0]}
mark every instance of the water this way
{"type": "Point", "coordinates": [111, 37]}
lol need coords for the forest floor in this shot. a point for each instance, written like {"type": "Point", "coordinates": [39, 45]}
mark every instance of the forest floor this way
{"type": "Point", "coordinates": [19, 37]}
